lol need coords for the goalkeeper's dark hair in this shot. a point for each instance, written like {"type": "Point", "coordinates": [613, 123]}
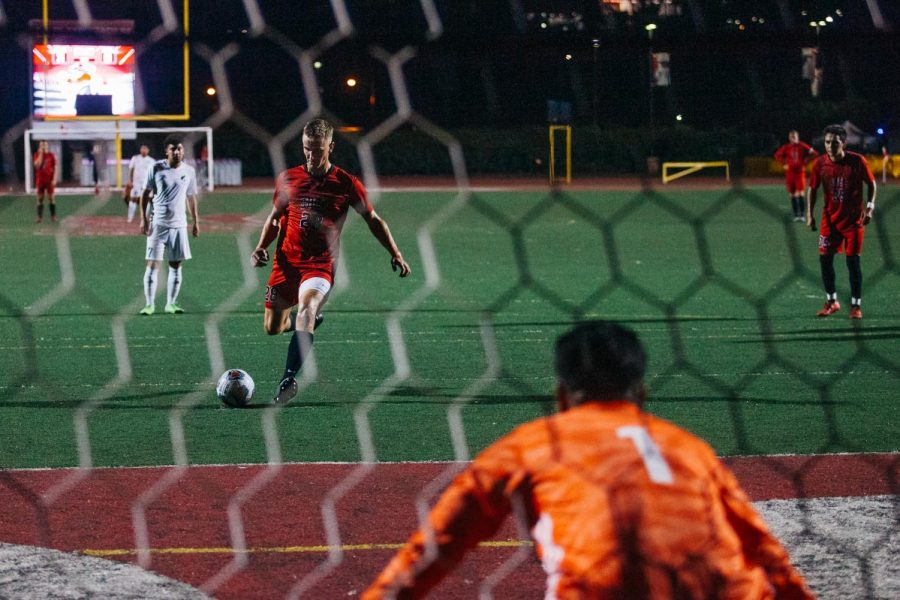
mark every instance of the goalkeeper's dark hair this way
{"type": "Point", "coordinates": [173, 139]}
{"type": "Point", "coordinates": [836, 130]}
{"type": "Point", "coordinates": [599, 358]}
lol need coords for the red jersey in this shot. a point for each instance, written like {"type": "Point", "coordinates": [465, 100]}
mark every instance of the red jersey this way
{"type": "Point", "coordinates": [310, 228]}
{"type": "Point", "coordinates": [621, 504]}
{"type": "Point", "coordinates": [44, 173]}
{"type": "Point", "coordinates": [843, 184]}
{"type": "Point", "coordinates": [795, 156]}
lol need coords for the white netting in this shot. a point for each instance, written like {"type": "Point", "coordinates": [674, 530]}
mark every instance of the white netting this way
{"type": "Point", "coordinates": [277, 141]}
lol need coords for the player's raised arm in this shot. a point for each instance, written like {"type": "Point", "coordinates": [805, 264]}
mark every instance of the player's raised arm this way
{"type": "Point", "coordinates": [382, 233]}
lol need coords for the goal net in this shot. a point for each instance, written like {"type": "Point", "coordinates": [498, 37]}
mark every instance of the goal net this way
{"type": "Point", "coordinates": [115, 446]}
{"type": "Point", "coordinates": [93, 158]}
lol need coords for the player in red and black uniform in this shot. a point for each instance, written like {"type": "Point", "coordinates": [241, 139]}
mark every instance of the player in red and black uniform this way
{"type": "Point", "coordinates": [45, 179]}
{"type": "Point", "coordinates": [793, 156]}
{"type": "Point", "coordinates": [841, 174]}
{"type": "Point", "coordinates": [311, 203]}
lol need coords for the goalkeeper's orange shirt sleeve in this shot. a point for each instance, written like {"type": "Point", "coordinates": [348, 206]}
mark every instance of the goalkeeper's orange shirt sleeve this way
{"type": "Point", "coordinates": [471, 509]}
{"type": "Point", "coordinates": [760, 547]}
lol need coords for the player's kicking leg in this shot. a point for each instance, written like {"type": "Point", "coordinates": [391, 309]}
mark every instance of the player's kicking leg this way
{"type": "Point", "coordinates": [311, 296]}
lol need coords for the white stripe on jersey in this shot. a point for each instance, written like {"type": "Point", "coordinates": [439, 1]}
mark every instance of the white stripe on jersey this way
{"type": "Point", "coordinates": [171, 188]}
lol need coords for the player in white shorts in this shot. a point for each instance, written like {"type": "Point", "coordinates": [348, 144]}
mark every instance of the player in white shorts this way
{"type": "Point", "coordinates": [138, 169]}
{"type": "Point", "coordinates": [172, 189]}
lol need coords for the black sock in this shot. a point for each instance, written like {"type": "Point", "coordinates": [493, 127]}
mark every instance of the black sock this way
{"type": "Point", "coordinates": [795, 206]}
{"type": "Point", "coordinates": [801, 207]}
{"type": "Point", "coordinates": [40, 211]}
{"type": "Point", "coordinates": [826, 262]}
{"type": "Point", "coordinates": [52, 210]}
{"type": "Point", "coordinates": [298, 349]}
{"type": "Point", "coordinates": [855, 270]}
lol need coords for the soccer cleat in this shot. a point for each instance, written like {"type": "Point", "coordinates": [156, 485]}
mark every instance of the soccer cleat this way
{"type": "Point", "coordinates": [831, 307]}
{"type": "Point", "coordinates": [287, 389]}
{"type": "Point", "coordinates": [148, 310]}
{"type": "Point", "coordinates": [855, 312]}
{"type": "Point", "coordinates": [319, 318]}
{"type": "Point", "coordinates": [174, 309]}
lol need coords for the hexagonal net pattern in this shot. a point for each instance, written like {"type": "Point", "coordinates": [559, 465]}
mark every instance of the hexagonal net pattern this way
{"type": "Point", "coordinates": [718, 281]}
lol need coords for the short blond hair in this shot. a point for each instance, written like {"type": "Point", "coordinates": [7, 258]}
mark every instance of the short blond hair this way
{"type": "Point", "coordinates": [318, 128]}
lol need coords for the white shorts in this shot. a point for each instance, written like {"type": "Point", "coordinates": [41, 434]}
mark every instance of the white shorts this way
{"type": "Point", "coordinates": [171, 241]}
{"type": "Point", "coordinates": [320, 284]}
{"type": "Point", "coordinates": [136, 192]}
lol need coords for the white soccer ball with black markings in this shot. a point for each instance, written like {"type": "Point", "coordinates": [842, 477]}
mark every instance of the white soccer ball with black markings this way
{"type": "Point", "coordinates": [235, 388]}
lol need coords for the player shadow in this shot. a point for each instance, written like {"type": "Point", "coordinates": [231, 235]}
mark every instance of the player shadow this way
{"type": "Point", "coordinates": [743, 401]}
{"type": "Point", "coordinates": [655, 320]}
{"type": "Point", "coordinates": [114, 403]}
{"type": "Point", "coordinates": [401, 394]}
{"type": "Point", "coordinates": [406, 396]}
{"type": "Point", "coordinates": [853, 332]}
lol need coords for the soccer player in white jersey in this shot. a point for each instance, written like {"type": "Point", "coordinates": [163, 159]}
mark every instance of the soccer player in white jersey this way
{"type": "Point", "coordinates": [172, 188]}
{"type": "Point", "coordinates": [138, 168]}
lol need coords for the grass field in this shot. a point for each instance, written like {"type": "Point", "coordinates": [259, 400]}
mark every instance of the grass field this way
{"type": "Point", "coordinates": [720, 285]}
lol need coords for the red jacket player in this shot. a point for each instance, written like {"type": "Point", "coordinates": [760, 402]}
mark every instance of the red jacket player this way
{"type": "Point", "coordinates": [841, 174]}
{"type": "Point", "coordinates": [45, 179]}
{"type": "Point", "coordinates": [793, 156]}
{"type": "Point", "coordinates": [311, 203]}
{"type": "Point", "coordinates": [620, 504]}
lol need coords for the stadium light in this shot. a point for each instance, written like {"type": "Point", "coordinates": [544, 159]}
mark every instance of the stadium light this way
{"type": "Point", "coordinates": [351, 82]}
{"type": "Point", "coordinates": [679, 118]}
{"type": "Point", "coordinates": [568, 57]}
{"type": "Point", "coordinates": [880, 131]}
{"type": "Point", "coordinates": [210, 91]}
{"type": "Point", "coordinates": [317, 64]}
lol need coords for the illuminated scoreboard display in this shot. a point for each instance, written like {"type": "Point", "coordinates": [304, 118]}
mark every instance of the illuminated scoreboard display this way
{"type": "Point", "coordinates": [78, 80]}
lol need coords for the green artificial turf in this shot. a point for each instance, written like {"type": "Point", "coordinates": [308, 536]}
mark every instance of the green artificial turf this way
{"type": "Point", "coordinates": [721, 286]}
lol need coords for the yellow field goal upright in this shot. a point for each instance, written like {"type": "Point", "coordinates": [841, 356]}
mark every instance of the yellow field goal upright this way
{"type": "Point", "coordinates": [686, 168]}
{"type": "Point", "coordinates": [567, 129]}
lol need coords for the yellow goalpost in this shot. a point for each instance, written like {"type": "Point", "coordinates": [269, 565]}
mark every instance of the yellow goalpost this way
{"type": "Point", "coordinates": [682, 169]}
{"type": "Point", "coordinates": [567, 130]}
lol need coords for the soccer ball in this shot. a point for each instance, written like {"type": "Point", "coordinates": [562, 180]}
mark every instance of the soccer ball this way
{"type": "Point", "coordinates": [235, 388]}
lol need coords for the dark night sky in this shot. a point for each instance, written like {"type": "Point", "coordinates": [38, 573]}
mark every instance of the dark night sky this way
{"type": "Point", "coordinates": [495, 65]}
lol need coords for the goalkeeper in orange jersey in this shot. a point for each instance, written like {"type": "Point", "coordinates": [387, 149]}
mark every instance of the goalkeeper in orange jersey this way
{"type": "Point", "coordinates": [620, 504]}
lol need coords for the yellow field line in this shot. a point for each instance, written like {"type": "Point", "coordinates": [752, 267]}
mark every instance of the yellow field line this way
{"type": "Point", "coordinates": [284, 549]}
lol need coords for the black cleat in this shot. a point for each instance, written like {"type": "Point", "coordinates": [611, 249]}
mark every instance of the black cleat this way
{"type": "Point", "coordinates": [287, 389]}
{"type": "Point", "coordinates": [319, 318]}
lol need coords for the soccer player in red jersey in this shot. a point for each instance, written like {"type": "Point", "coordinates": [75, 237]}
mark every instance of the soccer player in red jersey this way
{"type": "Point", "coordinates": [620, 503]}
{"type": "Point", "coordinates": [45, 179]}
{"type": "Point", "coordinates": [311, 202]}
{"type": "Point", "coordinates": [841, 174]}
{"type": "Point", "coordinates": [794, 155]}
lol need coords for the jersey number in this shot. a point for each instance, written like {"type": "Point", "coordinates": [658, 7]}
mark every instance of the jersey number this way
{"type": "Point", "coordinates": [310, 220]}
{"type": "Point", "coordinates": [657, 467]}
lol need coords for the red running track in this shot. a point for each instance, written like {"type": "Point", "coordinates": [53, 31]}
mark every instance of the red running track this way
{"type": "Point", "coordinates": [189, 530]}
